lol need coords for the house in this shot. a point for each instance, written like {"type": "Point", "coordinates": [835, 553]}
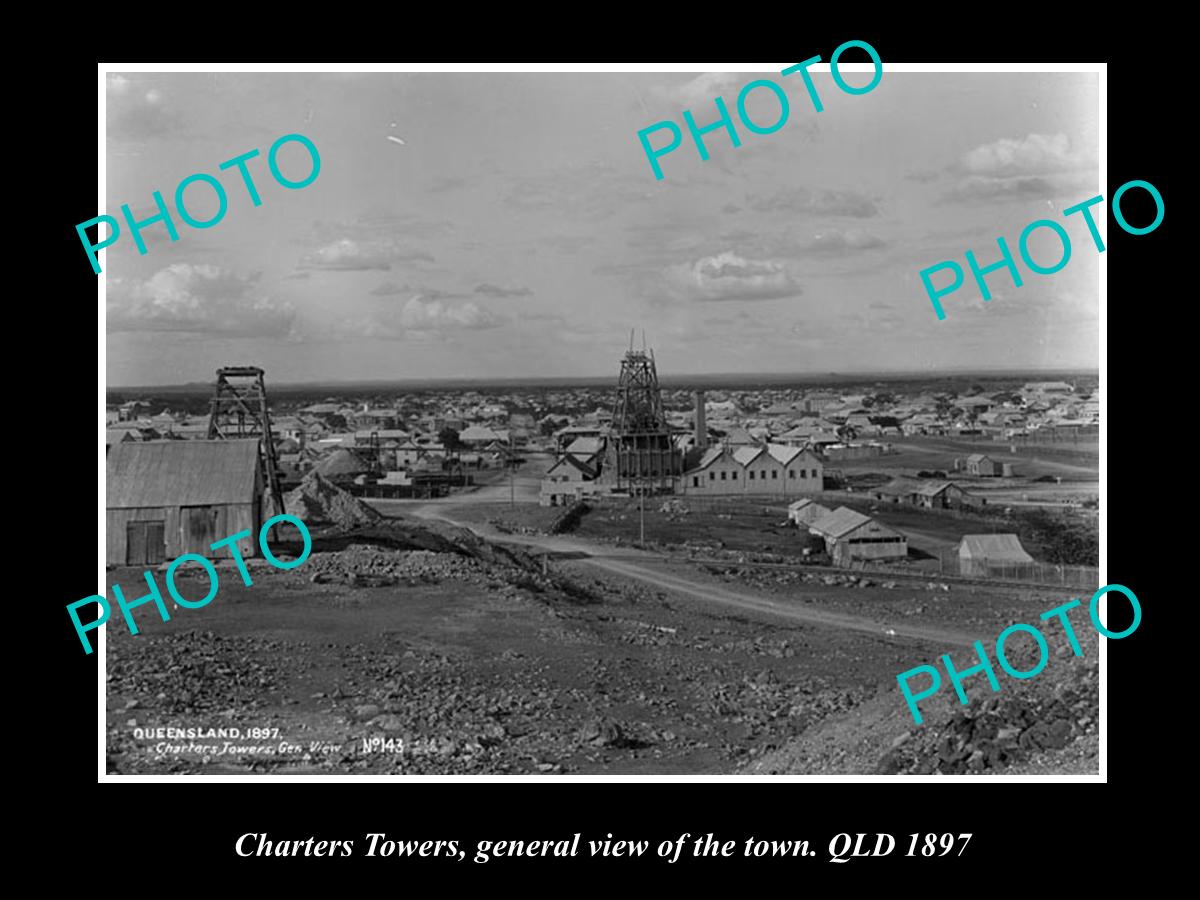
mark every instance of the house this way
{"type": "Point", "coordinates": [991, 554]}
{"type": "Point", "coordinates": [479, 436]}
{"type": "Point", "coordinates": [926, 493]}
{"type": "Point", "coordinates": [986, 467]}
{"type": "Point", "coordinates": [378, 419]}
{"type": "Point", "coordinates": [822, 440]}
{"type": "Point", "coordinates": [851, 536]}
{"type": "Point", "coordinates": [944, 495]}
{"type": "Point", "coordinates": [805, 512]}
{"type": "Point", "coordinates": [568, 480]}
{"type": "Point", "coordinates": [167, 498]}
{"type": "Point", "coordinates": [861, 423]}
{"type": "Point", "coordinates": [740, 437]}
{"type": "Point", "coordinates": [976, 404]}
{"type": "Point", "coordinates": [586, 449]}
{"type": "Point", "coordinates": [564, 436]}
{"type": "Point", "coordinates": [1049, 387]}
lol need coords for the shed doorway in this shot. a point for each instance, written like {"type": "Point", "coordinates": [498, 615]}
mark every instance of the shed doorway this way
{"type": "Point", "coordinates": [145, 544]}
{"type": "Point", "coordinates": [199, 528]}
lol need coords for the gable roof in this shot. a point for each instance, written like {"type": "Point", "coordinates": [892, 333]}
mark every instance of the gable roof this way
{"type": "Point", "coordinates": [711, 455]}
{"type": "Point", "coordinates": [586, 446]}
{"type": "Point", "coordinates": [783, 453]}
{"type": "Point", "coordinates": [117, 435]}
{"type": "Point", "coordinates": [181, 473]}
{"type": "Point", "coordinates": [746, 455]}
{"type": "Point", "coordinates": [584, 468]}
{"type": "Point", "coordinates": [839, 522]}
{"type": "Point", "coordinates": [999, 547]}
{"type": "Point", "coordinates": [479, 433]}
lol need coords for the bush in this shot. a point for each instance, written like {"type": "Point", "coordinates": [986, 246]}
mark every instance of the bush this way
{"type": "Point", "coordinates": [569, 520]}
{"type": "Point", "coordinates": [1063, 539]}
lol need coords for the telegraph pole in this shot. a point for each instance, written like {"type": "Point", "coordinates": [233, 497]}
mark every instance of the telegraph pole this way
{"type": "Point", "coordinates": [512, 473]}
{"type": "Point", "coordinates": [641, 513]}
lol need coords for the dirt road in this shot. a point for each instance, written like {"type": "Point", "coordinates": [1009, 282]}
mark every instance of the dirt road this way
{"type": "Point", "coordinates": [652, 570]}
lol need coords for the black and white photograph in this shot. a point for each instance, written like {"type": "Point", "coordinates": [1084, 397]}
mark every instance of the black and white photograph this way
{"type": "Point", "coordinates": [602, 422]}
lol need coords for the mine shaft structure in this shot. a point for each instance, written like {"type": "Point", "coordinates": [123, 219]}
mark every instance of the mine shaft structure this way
{"type": "Point", "coordinates": [239, 410]}
{"type": "Point", "coordinates": [640, 454]}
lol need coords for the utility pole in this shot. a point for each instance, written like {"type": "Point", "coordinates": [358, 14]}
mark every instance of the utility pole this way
{"type": "Point", "coordinates": [641, 513]}
{"type": "Point", "coordinates": [512, 474]}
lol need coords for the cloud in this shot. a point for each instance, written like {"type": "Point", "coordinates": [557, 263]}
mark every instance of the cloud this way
{"type": "Point", "coordinates": [433, 315]}
{"type": "Point", "coordinates": [837, 241]}
{"type": "Point", "coordinates": [422, 319]}
{"type": "Point", "coordinates": [351, 255]}
{"type": "Point", "coordinates": [589, 192]}
{"type": "Point", "coordinates": [978, 187]}
{"type": "Point", "coordinates": [819, 202]}
{"type": "Point", "coordinates": [447, 183]}
{"type": "Point", "coordinates": [1036, 154]}
{"type": "Point", "coordinates": [729, 277]}
{"type": "Point", "coordinates": [701, 88]}
{"type": "Point", "coordinates": [492, 290]}
{"type": "Point", "coordinates": [391, 289]}
{"type": "Point", "coordinates": [203, 299]}
{"type": "Point", "coordinates": [1037, 166]}
{"type": "Point", "coordinates": [379, 222]}
{"type": "Point", "coordinates": [135, 111]}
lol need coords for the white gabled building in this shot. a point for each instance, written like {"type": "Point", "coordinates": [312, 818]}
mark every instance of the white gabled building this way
{"type": "Point", "coordinates": [774, 470]}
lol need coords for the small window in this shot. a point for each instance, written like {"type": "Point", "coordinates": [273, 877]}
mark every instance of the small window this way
{"type": "Point", "coordinates": [695, 481]}
{"type": "Point", "coordinates": [774, 473]}
{"type": "Point", "coordinates": [722, 476]}
{"type": "Point", "coordinates": [751, 474]}
{"type": "Point", "coordinates": [712, 476]}
{"type": "Point", "coordinates": [733, 474]}
{"type": "Point", "coordinates": [791, 473]}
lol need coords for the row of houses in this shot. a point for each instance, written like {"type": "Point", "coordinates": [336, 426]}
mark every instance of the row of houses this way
{"type": "Point", "coordinates": [927, 493]}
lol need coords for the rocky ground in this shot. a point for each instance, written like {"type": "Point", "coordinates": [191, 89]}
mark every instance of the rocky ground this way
{"type": "Point", "coordinates": [407, 648]}
{"type": "Point", "coordinates": [1048, 724]}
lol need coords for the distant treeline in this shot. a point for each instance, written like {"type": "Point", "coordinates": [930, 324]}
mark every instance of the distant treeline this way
{"type": "Point", "coordinates": [195, 397]}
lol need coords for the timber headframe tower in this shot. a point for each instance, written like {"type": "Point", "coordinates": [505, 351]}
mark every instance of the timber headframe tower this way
{"type": "Point", "coordinates": [239, 410]}
{"type": "Point", "coordinates": [640, 450]}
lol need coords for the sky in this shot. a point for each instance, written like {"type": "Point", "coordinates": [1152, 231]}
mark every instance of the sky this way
{"type": "Point", "coordinates": [516, 227]}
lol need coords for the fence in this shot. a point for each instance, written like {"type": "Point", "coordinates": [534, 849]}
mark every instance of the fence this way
{"type": "Point", "coordinates": [1084, 434]}
{"type": "Point", "coordinates": [1088, 577]}
{"type": "Point", "coordinates": [1071, 577]}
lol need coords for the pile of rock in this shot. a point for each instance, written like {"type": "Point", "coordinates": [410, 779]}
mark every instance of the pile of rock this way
{"type": "Point", "coordinates": [318, 501]}
{"type": "Point", "coordinates": [999, 731]}
{"type": "Point", "coordinates": [368, 565]}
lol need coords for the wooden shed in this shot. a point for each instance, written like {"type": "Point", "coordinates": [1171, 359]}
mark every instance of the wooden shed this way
{"type": "Point", "coordinates": [850, 536]}
{"type": "Point", "coordinates": [167, 498]}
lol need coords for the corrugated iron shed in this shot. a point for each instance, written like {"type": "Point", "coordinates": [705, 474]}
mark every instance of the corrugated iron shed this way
{"type": "Point", "coordinates": [841, 521]}
{"type": "Point", "coordinates": [181, 473]}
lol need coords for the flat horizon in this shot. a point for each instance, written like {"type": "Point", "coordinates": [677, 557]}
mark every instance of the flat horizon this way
{"type": "Point", "coordinates": [665, 380]}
